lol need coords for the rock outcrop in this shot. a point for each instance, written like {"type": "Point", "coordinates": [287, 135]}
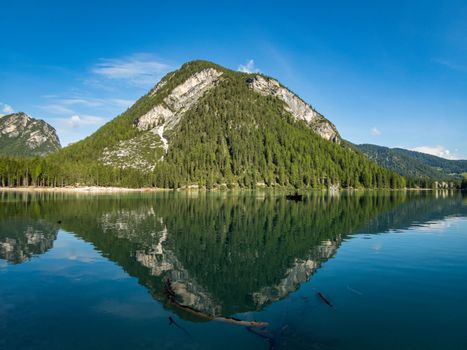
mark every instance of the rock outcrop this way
{"type": "Point", "coordinates": [295, 106]}
{"type": "Point", "coordinates": [22, 135]}
{"type": "Point", "coordinates": [137, 152]}
{"type": "Point", "coordinates": [166, 116]}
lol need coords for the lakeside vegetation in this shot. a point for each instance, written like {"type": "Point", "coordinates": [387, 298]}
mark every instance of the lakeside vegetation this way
{"type": "Point", "coordinates": [41, 172]}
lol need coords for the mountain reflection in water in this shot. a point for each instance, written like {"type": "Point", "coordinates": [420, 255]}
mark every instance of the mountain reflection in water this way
{"type": "Point", "coordinates": [224, 253]}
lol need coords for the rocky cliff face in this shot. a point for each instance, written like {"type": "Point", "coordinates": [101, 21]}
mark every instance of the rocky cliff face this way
{"type": "Point", "coordinates": [165, 116]}
{"type": "Point", "coordinates": [295, 106]}
{"type": "Point", "coordinates": [138, 152]}
{"type": "Point", "coordinates": [22, 135]}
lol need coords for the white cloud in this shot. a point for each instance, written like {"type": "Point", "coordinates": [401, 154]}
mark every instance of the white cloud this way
{"type": "Point", "coordinates": [5, 108]}
{"type": "Point", "coordinates": [95, 102]}
{"type": "Point", "coordinates": [439, 151]}
{"type": "Point", "coordinates": [249, 67]}
{"type": "Point", "coordinates": [451, 65]}
{"type": "Point", "coordinates": [88, 102]}
{"type": "Point", "coordinates": [56, 109]}
{"type": "Point", "coordinates": [139, 69]}
{"type": "Point", "coordinates": [120, 102]}
{"type": "Point", "coordinates": [75, 121]}
{"type": "Point", "coordinates": [375, 132]}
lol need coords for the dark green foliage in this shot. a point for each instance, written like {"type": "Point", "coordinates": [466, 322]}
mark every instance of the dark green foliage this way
{"type": "Point", "coordinates": [414, 164]}
{"type": "Point", "coordinates": [236, 136]}
{"type": "Point", "coordinates": [233, 137]}
{"type": "Point", "coordinates": [446, 166]}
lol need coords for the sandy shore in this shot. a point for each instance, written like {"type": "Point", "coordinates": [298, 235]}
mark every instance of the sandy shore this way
{"type": "Point", "coordinates": [81, 189]}
{"type": "Point", "coordinates": [101, 189]}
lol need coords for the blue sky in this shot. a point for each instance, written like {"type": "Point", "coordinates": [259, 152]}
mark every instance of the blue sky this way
{"type": "Point", "coordinates": [391, 73]}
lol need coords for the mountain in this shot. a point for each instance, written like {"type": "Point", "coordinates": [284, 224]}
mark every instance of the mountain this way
{"type": "Point", "coordinates": [22, 135]}
{"type": "Point", "coordinates": [207, 126]}
{"type": "Point", "coordinates": [414, 164]}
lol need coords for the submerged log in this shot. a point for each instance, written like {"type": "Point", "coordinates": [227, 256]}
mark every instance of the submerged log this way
{"type": "Point", "coordinates": [172, 322]}
{"type": "Point", "coordinates": [172, 299]}
{"type": "Point", "coordinates": [326, 300]}
{"type": "Point", "coordinates": [273, 338]}
{"type": "Point", "coordinates": [241, 322]}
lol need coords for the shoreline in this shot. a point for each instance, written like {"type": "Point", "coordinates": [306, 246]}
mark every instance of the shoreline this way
{"type": "Point", "coordinates": [113, 189]}
{"type": "Point", "coordinates": [81, 189]}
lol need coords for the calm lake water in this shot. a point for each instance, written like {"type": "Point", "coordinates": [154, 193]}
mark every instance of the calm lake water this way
{"type": "Point", "coordinates": [90, 271]}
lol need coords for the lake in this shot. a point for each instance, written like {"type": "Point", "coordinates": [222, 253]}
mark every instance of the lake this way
{"type": "Point", "coordinates": [193, 270]}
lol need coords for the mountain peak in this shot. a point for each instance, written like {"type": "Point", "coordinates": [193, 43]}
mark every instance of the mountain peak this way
{"type": "Point", "coordinates": [23, 135]}
{"type": "Point", "coordinates": [17, 115]}
{"type": "Point", "coordinates": [195, 78]}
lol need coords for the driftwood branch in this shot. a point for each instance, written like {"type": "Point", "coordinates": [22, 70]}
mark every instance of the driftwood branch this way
{"type": "Point", "coordinates": [171, 296]}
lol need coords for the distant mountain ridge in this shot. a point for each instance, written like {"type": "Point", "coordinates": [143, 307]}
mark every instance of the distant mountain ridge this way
{"type": "Point", "coordinates": [412, 163]}
{"type": "Point", "coordinates": [22, 135]}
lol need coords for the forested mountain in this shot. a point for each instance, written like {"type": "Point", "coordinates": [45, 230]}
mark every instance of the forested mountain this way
{"type": "Point", "coordinates": [207, 126]}
{"type": "Point", "coordinates": [414, 164]}
{"type": "Point", "coordinates": [22, 135]}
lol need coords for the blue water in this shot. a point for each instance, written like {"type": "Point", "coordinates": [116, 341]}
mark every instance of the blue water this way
{"type": "Point", "coordinates": [89, 271]}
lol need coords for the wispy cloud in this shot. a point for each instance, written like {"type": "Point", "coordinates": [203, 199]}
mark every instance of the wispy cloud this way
{"type": "Point", "coordinates": [451, 65]}
{"type": "Point", "coordinates": [140, 69]}
{"type": "Point", "coordinates": [95, 102]}
{"type": "Point", "coordinates": [375, 132]}
{"type": "Point", "coordinates": [88, 102]}
{"type": "Point", "coordinates": [439, 151]}
{"type": "Point", "coordinates": [249, 67]}
{"type": "Point", "coordinates": [120, 102]}
{"type": "Point", "coordinates": [75, 121]}
{"type": "Point", "coordinates": [5, 108]}
{"type": "Point", "coordinates": [77, 114]}
{"type": "Point", "coordinates": [56, 109]}
{"type": "Point", "coordinates": [67, 106]}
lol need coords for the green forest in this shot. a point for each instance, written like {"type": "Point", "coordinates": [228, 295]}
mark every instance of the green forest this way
{"type": "Point", "coordinates": [414, 164]}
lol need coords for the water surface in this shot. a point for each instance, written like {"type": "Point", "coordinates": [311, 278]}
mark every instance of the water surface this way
{"type": "Point", "coordinates": [90, 271]}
